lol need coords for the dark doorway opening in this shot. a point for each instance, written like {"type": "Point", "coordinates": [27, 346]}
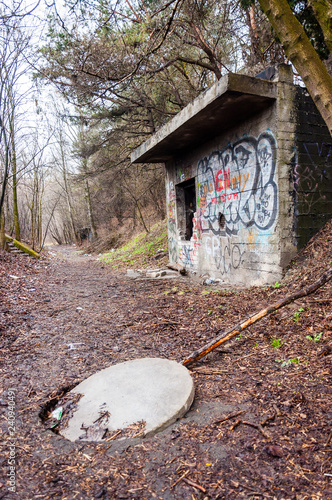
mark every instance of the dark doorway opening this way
{"type": "Point", "coordinates": [186, 196]}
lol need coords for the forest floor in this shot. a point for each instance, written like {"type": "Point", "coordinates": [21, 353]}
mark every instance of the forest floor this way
{"type": "Point", "coordinates": [261, 423]}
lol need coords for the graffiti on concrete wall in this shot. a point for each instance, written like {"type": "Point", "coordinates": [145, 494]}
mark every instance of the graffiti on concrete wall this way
{"type": "Point", "coordinates": [186, 255]}
{"type": "Point", "coordinates": [172, 248]}
{"type": "Point", "coordinates": [238, 184]}
{"type": "Point", "coordinates": [188, 251]}
{"type": "Point", "coordinates": [171, 208]}
{"type": "Point", "coordinates": [237, 203]}
{"type": "Point", "coordinates": [312, 175]}
{"type": "Point", "coordinates": [171, 223]}
{"type": "Point", "coordinates": [225, 254]}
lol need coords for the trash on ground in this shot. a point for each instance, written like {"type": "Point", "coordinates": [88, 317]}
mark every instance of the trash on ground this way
{"type": "Point", "coordinates": [57, 413]}
{"type": "Point", "coordinates": [73, 345]}
{"type": "Point", "coordinates": [56, 416]}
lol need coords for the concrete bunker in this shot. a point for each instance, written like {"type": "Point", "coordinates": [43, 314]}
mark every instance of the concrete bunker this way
{"type": "Point", "coordinates": [248, 177]}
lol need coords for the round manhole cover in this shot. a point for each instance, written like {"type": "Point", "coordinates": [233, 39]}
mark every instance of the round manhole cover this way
{"type": "Point", "coordinates": [145, 395]}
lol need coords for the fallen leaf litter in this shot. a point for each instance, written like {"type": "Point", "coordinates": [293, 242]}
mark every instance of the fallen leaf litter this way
{"type": "Point", "coordinates": [245, 383]}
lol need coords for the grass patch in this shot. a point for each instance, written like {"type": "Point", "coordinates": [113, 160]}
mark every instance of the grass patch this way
{"type": "Point", "coordinates": [140, 250]}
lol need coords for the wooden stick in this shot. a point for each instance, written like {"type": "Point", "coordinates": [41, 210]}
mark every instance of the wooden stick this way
{"type": "Point", "coordinates": [236, 423]}
{"type": "Point", "coordinates": [180, 478]}
{"type": "Point", "coordinates": [200, 353]}
{"type": "Point", "coordinates": [113, 436]}
{"type": "Point", "coordinates": [328, 439]}
{"type": "Point", "coordinates": [192, 483]}
{"type": "Point", "coordinates": [233, 415]}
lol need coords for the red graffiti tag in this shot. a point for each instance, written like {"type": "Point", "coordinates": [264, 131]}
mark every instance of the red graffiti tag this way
{"type": "Point", "coordinates": [223, 180]}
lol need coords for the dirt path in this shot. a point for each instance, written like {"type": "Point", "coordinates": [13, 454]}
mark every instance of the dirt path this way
{"type": "Point", "coordinates": [260, 425]}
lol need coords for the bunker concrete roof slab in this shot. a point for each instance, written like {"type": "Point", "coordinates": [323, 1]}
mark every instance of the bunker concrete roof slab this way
{"type": "Point", "coordinates": [153, 391]}
{"type": "Point", "coordinates": [231, 100]}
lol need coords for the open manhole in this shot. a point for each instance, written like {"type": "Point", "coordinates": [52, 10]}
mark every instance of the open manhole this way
{"type": "Point", "coordinates": [130, 399]}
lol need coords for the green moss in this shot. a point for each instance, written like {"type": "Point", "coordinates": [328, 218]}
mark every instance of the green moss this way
{"type": "Point", "coordinates": [139, 249]}
{"type": "Point", "coordinates": [23, 247]}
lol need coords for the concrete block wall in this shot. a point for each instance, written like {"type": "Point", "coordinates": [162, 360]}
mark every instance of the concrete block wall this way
{"type": "Point", "coordinates": [312, 170]}
{"type": "Point", "coordinates": [286, 124]}
{"type": "Point", "coordinates": [235, 227]}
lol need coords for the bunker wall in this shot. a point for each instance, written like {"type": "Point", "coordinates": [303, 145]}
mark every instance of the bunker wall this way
{"type": "Point", "coordinates": [312, 170]}
{"type": "Point", "coordinates": [235, 231]}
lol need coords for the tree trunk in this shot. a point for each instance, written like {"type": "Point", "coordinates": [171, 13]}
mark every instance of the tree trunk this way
{"type": "Point", "coordinates": [88, 200]}
{"type": "Point", "coordinates": [323, 13]}
{"type": "Point", "coordinates": [67, 189]}
{"type": "Point", "coordinates": [140, 215]}
{"type": "Point", "coordinates": [14, 166]}
{"type": "Point", "coordinates": [2, 231]}
{"type": "Point", "coordinates": [32, 222]}
{"type": "Point", "coordinates": [90, 213]}
{"type": "Point", "coordinates": [302, 54]}
{"type": "Point", "coordinates": [40, 223]}
{"type": "Point", "coordinates": [6, 164]}
{"type": "Point", "coordinates": [15, 203]}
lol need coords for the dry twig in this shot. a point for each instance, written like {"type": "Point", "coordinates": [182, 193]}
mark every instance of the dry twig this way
{"type": "Point", "coordinates": [233, 415]}
{"type": "Point", "coordinates": [192, 483]}
{"type": "Point", "coordinates": [232, 427]}
{"type": "Point", "coordinates": [180, 478]}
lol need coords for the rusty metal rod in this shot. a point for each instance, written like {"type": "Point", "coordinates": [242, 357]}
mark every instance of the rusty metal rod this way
{"type": "Point", "coordinates": [224, 336]}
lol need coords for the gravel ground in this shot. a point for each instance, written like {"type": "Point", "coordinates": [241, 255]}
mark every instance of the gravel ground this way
{"type": "Point", "coordinates": [261, 423]}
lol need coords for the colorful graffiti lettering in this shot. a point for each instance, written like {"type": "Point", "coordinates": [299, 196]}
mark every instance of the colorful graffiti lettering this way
{"type": "Point", "coordinates": [225, 197]}
{"type": "Point", "coordinates": [238, 182]}
{"type": "Point", "coordinates": [171, 209]}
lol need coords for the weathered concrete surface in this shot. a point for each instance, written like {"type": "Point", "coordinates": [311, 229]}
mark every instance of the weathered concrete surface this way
{"type": "Point", "coordinates": [156, 391]}
{"type": "Point", "coordinates": [233, 99]}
